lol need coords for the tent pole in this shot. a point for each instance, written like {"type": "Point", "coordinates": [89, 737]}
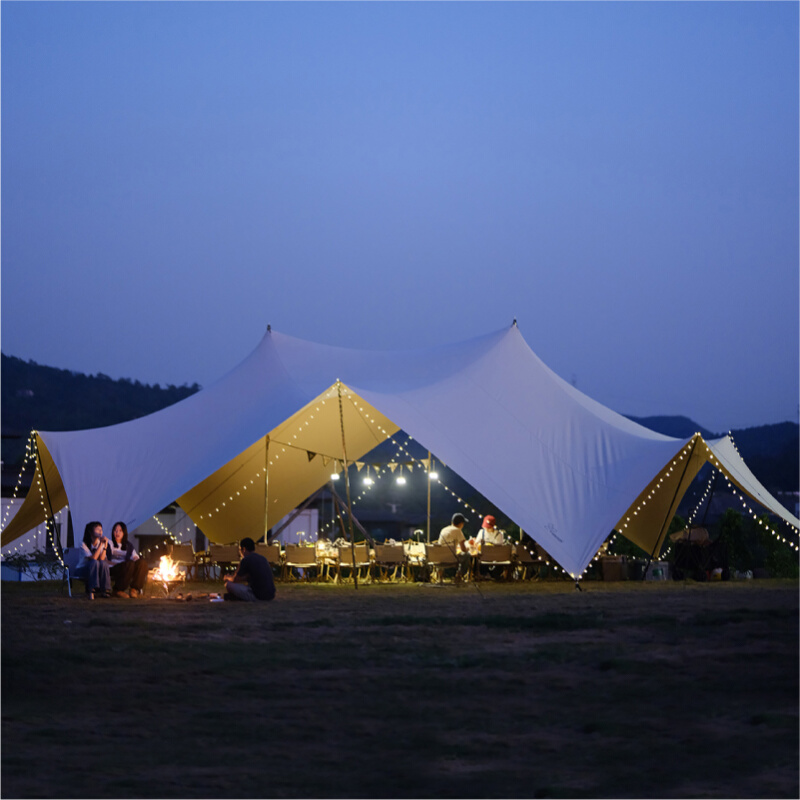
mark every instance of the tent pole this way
{"type": "Point", "coordinates": [358, 525]}
{"type": "Point", "coordinates": [710, 496]}
{"type": "Point", "coordinates": [337, 513]}
{"type": "Point", "coordinates": [266, 488]}
{"type": "Point", "coordinates": [335, 501]}
{"type": "Point", "coordinates": [51, 521]}
{"type": "Point", "coordinates": [293, 516]}
{"type": "Point", "coordinates": [347, 485]}
{"type": "Point", "coordinates": [430, 465]}
{"type": "Point", "coordinates": [50, 525]}
{"type": "Point", "coordinates": [667, 520]}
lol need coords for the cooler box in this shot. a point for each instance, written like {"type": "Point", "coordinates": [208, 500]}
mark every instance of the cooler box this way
{"type": "Point", "coordinates": [657, 571]}
{"type": "Point", "coordinates": [615, 568]}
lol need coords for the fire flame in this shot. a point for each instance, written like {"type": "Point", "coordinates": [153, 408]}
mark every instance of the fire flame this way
{"type": "Point", "coordinates": [167, 570]}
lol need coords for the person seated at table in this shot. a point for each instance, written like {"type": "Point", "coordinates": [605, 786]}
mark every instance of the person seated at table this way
{"type": "Point", "coordinates": [127, 569]}
{"type": "Point", "coordinates": [453, 537]}
{"type": "Point", "coordinates": [253, 579]}
{"type": "Point", "coordinates": [490, 533]}
{"type": "Point", "coordinates": [95, 566]}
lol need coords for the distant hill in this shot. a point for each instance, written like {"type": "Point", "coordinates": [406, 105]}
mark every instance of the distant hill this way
{"type": "Point", "coordinates": [771, 451]}
{"type": "Point", "coordinates": [679, 427]}
{"type": "Point", "coordinates": [48, 398]}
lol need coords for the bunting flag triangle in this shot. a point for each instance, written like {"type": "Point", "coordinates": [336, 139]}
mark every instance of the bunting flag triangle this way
{"type": "Point", "coordinates": [311, 456]}
{"type": "Point", "coordinates": [359, 466]}
{"type": "Point", "coordinates": [426, 462]}
{"type": "Point", "coordinates": [326, 460]}
{"type": "Point", "coordinates": [392, 466]}
{"type": "Point", "coordinates": [409, 465]}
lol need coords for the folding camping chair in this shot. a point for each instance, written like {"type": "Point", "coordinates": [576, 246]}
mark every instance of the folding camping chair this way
{"type": "Point", "coordinates": [439, 557]}
{"type": "Point", "coordinates": [298, 557]}
{"type": "Point", "coordinates": [348, 562]}
{"type": "Point", "coordinates": [527, 562]}
{"type": "Point", "coordinates": [224, 556]}
{"type": "Point", "coordinates": [72, 558]}
{"type": "Point", "coordinates": [272, 552]}
{"type": "Point", "coordinates": [495, 555]}
{"type": "Point", "coordinates": [184, 556]}
{"type": "Point", "coordinates": [391, 557]}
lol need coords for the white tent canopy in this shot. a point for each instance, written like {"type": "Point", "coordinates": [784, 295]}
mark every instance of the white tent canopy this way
{"type": "Point", "coordinates": [237, 456]}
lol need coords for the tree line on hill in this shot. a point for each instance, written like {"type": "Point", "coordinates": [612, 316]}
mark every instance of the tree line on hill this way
{"type": "Point", "coordinates": [48, 398]}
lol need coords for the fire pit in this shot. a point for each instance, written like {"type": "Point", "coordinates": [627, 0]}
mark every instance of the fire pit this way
{"type": "Point", "coordinates": [167, 575]}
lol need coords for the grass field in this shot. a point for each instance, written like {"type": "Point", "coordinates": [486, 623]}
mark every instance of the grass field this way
{"type": "Point", "coordinates": [516, 690]}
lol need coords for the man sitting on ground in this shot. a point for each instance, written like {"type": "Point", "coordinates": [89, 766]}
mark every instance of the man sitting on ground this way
{"type": "Point", "coordinates": [253, 580]}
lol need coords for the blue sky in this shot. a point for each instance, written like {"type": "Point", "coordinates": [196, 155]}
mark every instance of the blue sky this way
{"type": "Point", "coordinates": [621, 178]}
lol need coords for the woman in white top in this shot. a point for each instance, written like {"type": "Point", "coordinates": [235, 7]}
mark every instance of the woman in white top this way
{"type": "Point", "coordinates": [490, 533]}
{"type": "Point", "coordinates": [127, 569]}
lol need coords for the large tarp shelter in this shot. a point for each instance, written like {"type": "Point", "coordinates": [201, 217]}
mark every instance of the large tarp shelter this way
{"type": "Point", "coordinates": [242, 453]}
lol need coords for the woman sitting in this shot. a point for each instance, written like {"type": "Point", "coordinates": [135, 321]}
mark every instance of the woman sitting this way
{"type": "Point", "coordinates": [127, 569]}
{"type": "Point", "coordinates": [95, 562]}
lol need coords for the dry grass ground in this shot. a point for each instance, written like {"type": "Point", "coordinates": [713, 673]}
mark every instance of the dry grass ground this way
{"type": "Point", "coordinates": [535, 690]}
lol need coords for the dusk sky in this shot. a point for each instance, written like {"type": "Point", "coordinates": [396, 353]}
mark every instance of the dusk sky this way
{"type": "Point", "coordinates": [621, 178]}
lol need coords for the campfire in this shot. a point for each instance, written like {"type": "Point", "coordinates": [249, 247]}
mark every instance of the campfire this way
{"type": "Point", "coordinates": [167, 573]}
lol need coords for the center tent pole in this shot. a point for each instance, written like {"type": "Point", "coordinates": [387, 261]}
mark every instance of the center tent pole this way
{"type": "Point", "coordinates": [430, 465]}
{"type": "Point", "coordinates": [347, 485]}
{"type": "Point", "coordinates": [266, 488]}
{"type": "Point", "coordinates": [50, 523]}
{"type": "Point", "coordinates": [665, 526]}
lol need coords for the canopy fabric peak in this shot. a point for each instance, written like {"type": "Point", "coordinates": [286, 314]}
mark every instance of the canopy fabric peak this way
{"type": "Point", "coordinates": [237, 456]}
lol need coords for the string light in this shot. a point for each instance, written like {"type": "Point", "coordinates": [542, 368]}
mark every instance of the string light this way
{"type": "Point", "coordinates": [740, 495]}
{"type": "Point", "coordinates": [660, 483]}
{"type": "Point", "coordinates": [50, 530]}
{"type": "Point", "coordinates": [29, 456]}
{"type": "Point", "coordinates": [432, 475]}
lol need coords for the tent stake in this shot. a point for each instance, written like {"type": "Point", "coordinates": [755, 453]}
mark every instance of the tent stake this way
{"type": "Point", "coordinates": [347, 486]}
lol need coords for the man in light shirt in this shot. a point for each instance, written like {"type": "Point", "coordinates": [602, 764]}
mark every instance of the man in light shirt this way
{"type": "Point", "coordinates": [453, 537]}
